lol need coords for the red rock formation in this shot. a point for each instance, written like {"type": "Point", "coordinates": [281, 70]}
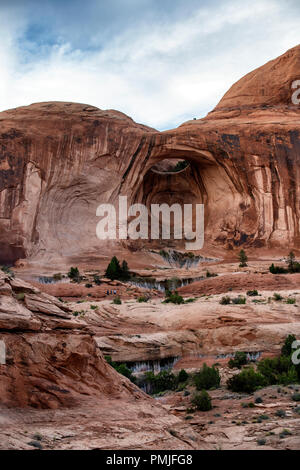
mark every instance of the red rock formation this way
{"type": "Point", "coordinates": [53, 375]}
{"type": "Point", "coordinates": [59, 161]}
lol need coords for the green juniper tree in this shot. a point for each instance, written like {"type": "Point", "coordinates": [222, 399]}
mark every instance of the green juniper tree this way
{"type": "Point", "coordinates": [113, 270]}
{"type": "Point", "coordinates": [243, 259]}
{"type": "Point", "coordinates": [291, 261]}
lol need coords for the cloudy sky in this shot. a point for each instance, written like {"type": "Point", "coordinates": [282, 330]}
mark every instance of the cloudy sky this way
{"type": "Point", "coordinates": [159, 61]}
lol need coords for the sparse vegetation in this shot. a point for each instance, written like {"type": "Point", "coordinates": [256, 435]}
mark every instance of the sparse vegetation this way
{"type": "Point", "coordinates": [164, 380]}
{"type": "Point", "coordinates": [277, 269]}
{"type": "Point", "coordinates": [239, 360]}
{"type": "Point", "coordinates": [183, 376]}
{"type": "Point", "coordinates": [243, 258]}
{"type": "Point", "coordinates": [8, 271]}
{"type": "Point", "coordinates": [246, 381]}
{"type": "Point", "coordinates": [202, 401]}
{"type": "Point", "coordinates": [286, 349]}
{"type": "Point", "coordinates": [117, 300]}
{"type": "Point", "coordinates": [280, 413]}
{"type": "Point", "coordinates": [209, 274]}
{"type": "Point", "coordinates": [97, 279]}
{"type": "Point", "coordinates": [190, 300]}
{"type": "Point", "coordinates": [225, 300]}
{"type": "Point", "coordinates": [239, 300]}
{"type": "Point", "coordinates": [207, 378]}
{"type": "Point", "coordinates": [143, 298]}
{"type": "Point", "coordinates": [252, 293]}
{"type": "Point", "coordinates": [261, 442]}
{"type": "Point", "coordinates": [121, 369]}
{"type": "Point", "coordinates": [291, 300]}
{"type": "Point", "coordinates": [277, 297]}
{"type": "Point", "coordinates": [164, 254]}
{"type": "Point", "coordinates": [115, 271]}
{"type": "Point", "coordinates": [173, 297]}
{"type": "Point", "coordinates": [20, 296]}
{"type": "Point", "coordinates": [80, 313]}
{"type": "Point", "coordinates": [293, 266]}
{"type": "Point", "coordinates": [74, 274]}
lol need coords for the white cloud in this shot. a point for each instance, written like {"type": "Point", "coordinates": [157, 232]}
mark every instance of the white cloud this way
{"type": "Point", "coordinates": [158, 73]}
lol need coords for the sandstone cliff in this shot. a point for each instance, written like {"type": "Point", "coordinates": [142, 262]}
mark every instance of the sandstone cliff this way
{"type": "Point", "coordinates": [59, 161]}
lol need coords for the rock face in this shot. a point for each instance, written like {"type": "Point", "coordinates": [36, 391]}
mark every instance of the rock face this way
{"type": "Point", "coordinates": [51, 358]}
{"type": "Point", "coordinates": [59, 161]}
{"type": "Point", "coordinates": [52, 375]}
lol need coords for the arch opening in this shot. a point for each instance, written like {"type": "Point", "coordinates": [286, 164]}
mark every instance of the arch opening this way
{"type": "Point", "coordinates": [202, 180]}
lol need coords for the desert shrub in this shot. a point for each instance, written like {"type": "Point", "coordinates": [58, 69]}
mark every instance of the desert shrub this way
{"type": "Point", "coordinates": [252, 293]}
{"type": "Point", "coordinates": [190, 300]}
{"type": "Point", "coordinates": [124, 370]}
{"type": "Point", "coordinates": [258, 400]}
{"type": "Point", "coordinates": [8, 271]}
{"type": "Point", "coordinates": [202, 401]}
{"type": "Point", "coordinates": [286, 349]}
{"type": "Point", "coordinates": [20, 296]}
{"type": "Point", "coordinates": [296, 268]}
{"type": "Point", "coordinates": [93, 307]}
{"type": "Point", "coordinates": [164, 254]}
{"type": "Point", "coordinates": [121, 368]}
{"type": "Point", "coordinates": [239, 300]}
{"type": "Point", "coordinates": [89, 285]}
{"type": "Point", "coordinates": [278, 370]}
{"type": "Point", "coordinates": [97, 279]}
{"type": "Point", "coordinates": [209, 274]}
{"type": "Point", "coordinates": [165, 380]}
{"type": "Point", "coordinates": [80, 313]}
{"type": "Point", "coordinates": [207, 378]}
{"type": "Point", "coordinates": [239, 360]}
{"type": "Point", "coordinates": [243, 259]}
{"type": "Point", "coordinates": [291, 301]}
{"type": "Point", "coordinates": [174, 298]}
{"type": "Point", "coordinates": [183, 376]}
{"type": "Point", "coordinates": [142, 298]}
{"type": "Point", "coordinates": [263, 417]}
{"type": "Point", "coordinates": [285, 433]}
{"type": "Point", "coordinates": [246, 381]}
{"type": "Point", "coordinates": [74, 275]}
{"type": "Point", "coordinates": [261, 442]}
{"type": "Point", "coordinates": [277, 297]}
{"type": "Point", "coordinates": [280, 413]}
{"type": "Point", "coordinates": [36, 444]}
{"type": "Point", "coordinates": [296, 397]}
{"type": "Point", "coordinates": [293, 266]}
{"type": "Point", "coordinates": [172, 284]}
{"type": "Point", "coordinates": [117, 300]}
{"type": "Point", "coordinates": [277, 269]}
{"type": "Point", "coordinates": [225, 300]}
